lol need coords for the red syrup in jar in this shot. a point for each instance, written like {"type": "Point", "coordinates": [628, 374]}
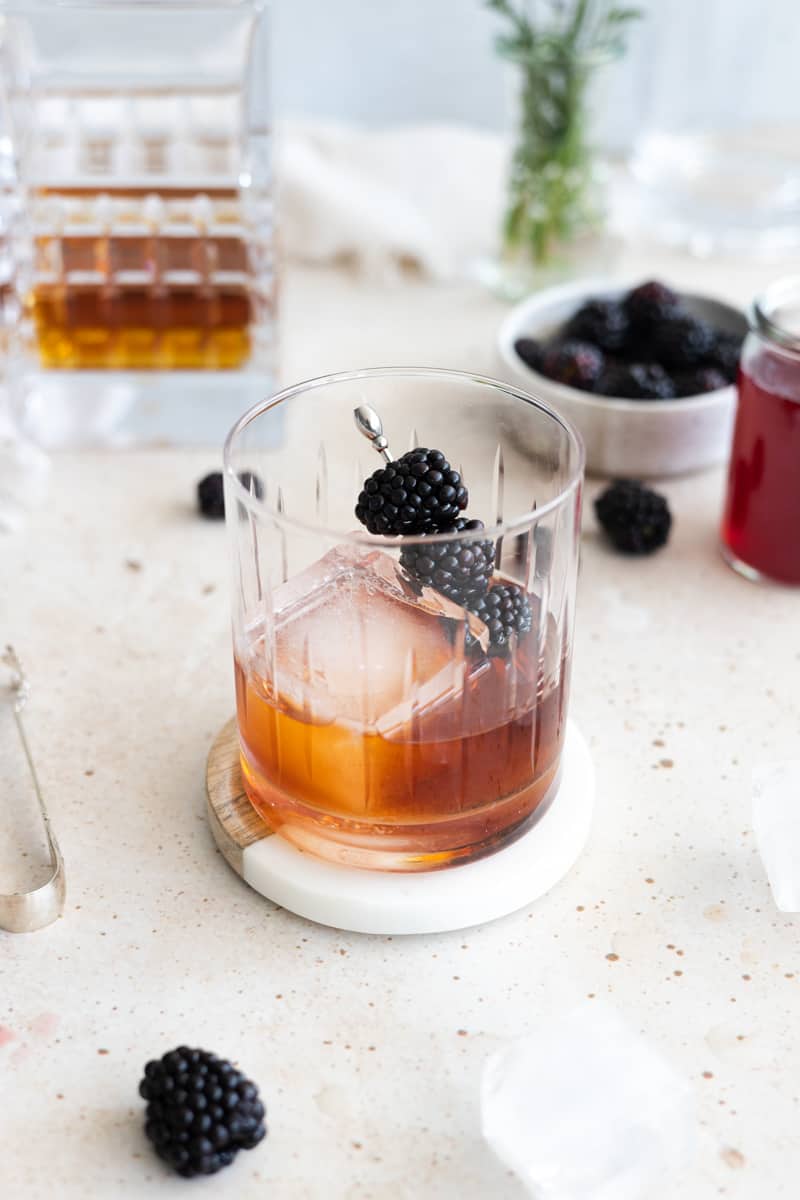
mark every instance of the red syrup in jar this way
{"type": "Point", "coordinates": [761, 524]}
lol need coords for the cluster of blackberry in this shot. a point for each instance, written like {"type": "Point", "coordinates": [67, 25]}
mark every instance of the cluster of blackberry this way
{"type": "Point", "coordinates": [420, 495]}
{"type": "Point", "coordinates": [645, 346]}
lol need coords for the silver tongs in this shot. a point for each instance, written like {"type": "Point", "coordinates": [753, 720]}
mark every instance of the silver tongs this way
{"type": "Point", "coordinates": [23, 912]}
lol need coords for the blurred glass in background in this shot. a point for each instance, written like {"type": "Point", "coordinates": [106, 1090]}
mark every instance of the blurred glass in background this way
{"type": "Point", "coordinates": [716, 154]}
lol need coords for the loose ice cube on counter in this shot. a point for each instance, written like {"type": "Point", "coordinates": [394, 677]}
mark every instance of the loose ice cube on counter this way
{"type": "Point", "coordinates": [585, 1109]}
{"type": "Point", "coordinates": [776, 822]}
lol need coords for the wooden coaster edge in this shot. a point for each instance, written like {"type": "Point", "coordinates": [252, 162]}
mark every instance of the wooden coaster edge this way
{"type": "Point", "coordinates": [233, 821]}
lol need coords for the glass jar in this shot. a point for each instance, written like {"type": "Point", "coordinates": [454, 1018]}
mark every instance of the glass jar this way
{"type": "Point", "coordinates": [383, 722]}
{"type": "Point", "coordinates": [761, 523]}
{"type": "Point", "coordinates": [136, 173]}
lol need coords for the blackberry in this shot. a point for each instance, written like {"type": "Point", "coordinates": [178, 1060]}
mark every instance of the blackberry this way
{"type": "Point", "coordinates": [200, 1111]}
{"type": "Point", "coordinates": [419, 493]}
{"type": "Point", "coordinates": [701, 379]}
{"type": "Point", "coordinates": [604, 323]}
{"type": "Point", "coordinates": [530, 351]}
{"type": "Point", "coordinates": [577, 364]}
{"type": "Point", "coordinates": [211, 493]}
{"type": "Point", "coordinates": [681, 341]}
{"type": "Point", "coordinates": [650, 303]}
{"type": "Point", "coordinates": [459, 570]}
{"type": "Point", "coordinates": [637, 348]}
{"type": "Point", "coordinates": [637, 381]}
{"type": "Point", "coordinates": [635, 518]}
{"type": "Point", "coordinates": [724, 354]}
{"type": "Point", "coordinates": [211, 496]}
{"type": "Point", "coordinates": [505, 610]}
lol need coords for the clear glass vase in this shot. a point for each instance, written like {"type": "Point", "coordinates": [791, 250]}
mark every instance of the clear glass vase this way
{"type": "Point", "coordinates": [384, 723]}
{"type": "Point", "coordinates": [554, 217]}
{"type": "Point", "coordinates": [138, 216]}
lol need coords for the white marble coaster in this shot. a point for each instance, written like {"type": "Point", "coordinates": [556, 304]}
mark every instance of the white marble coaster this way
{"type": "Point", "coordinates": [362, 901]}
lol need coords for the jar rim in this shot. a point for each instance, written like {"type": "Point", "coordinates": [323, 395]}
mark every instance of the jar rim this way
{"type": "Point", "coordinates": [765, 313]}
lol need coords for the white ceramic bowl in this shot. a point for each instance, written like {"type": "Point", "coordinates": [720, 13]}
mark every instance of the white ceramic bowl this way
{"type": "Point", "coordinates": [625, 437]}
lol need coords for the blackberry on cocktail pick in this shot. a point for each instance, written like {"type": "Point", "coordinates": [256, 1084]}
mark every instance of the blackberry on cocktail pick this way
{"type": "Point", "coordinates": [505, 610]}
{"type": "Point", "coordinates": [200, 1112]}
{"type": "Point", "coordinates": [460, 570]}
{"type": "Point", "coordinates": [416, 493]}
{"type": "Point", "coordinates": [635, 518]}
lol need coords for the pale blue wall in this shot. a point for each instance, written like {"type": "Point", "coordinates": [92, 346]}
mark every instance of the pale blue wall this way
{"type": "Point", "coordinates": [388, 61]}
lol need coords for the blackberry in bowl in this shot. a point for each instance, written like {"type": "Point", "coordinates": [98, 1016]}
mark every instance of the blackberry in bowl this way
{"type": "Point", "coordinates": [724, 355]}
{"type": "Point", "coordinates": [637, 381]}
{"type": "Point", "coordinates": [663, 402]}
{"type": "Point", "coordinates": [681, 341]}
{"type": "Point", "coordinates": [602, 323]}
{"type": "Point", "coordinates": [699, 380]}
{"type": "Point", "coordinates": [647, 305]}
{"type": "Point", "coordinates": [577, 364]}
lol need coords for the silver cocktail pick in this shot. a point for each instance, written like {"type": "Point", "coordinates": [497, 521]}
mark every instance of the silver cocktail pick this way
{"type": "Point", "coordinates": [22, 912]}
{"type": "Point", "coordinates": [370, 425]}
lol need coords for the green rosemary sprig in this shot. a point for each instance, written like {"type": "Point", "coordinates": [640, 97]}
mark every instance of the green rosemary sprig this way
{"type": "Point", "coordinates": [551, 170]}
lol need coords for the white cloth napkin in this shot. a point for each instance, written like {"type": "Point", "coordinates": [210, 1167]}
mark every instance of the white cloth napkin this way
{"type": "Point", "coordinates": [425, 196]}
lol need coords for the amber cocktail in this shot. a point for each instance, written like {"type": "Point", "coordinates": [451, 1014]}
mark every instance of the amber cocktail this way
{"type": "Point", "coordinates": [381, 723]}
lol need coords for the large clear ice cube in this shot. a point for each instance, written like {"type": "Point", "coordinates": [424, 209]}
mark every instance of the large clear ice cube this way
{"type": "Point", "coordinates": [585, 1109]}
{"type": "Point", "coordinates": [354, 641]}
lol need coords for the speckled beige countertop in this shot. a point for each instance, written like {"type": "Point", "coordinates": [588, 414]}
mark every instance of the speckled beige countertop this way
{"type": "Point", "coordinates": [368, 1049]}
